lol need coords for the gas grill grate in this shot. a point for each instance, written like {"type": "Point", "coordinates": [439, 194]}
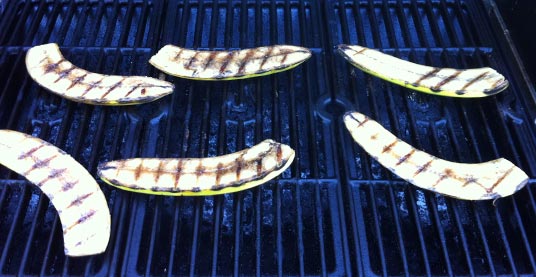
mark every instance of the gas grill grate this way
{"type": "Point", "coordinates": [336, 211]}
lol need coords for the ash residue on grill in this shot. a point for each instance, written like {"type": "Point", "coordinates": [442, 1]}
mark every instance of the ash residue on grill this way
{"type": "Point", "coordinates": [335, 211]}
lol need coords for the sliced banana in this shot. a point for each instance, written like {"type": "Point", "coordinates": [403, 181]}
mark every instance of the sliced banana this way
{"type": "Point", "coordinates": [50, 69]}
{"type": "Point", "coordinates": [81, 205]}
{"type": "Point", "coordinates": [489, 180]}
{"type": "Point", "coordinates": [469, 83]}
{"type": "Point", "coordinates": [203, 176]}
{"type": "Point", "coordinates": [228, 65]}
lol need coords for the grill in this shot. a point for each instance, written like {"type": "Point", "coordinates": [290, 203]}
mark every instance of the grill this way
{"type": "Point", "coordinates": [335, 211]}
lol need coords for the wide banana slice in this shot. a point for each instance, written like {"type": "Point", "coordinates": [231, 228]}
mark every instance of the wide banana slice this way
{"type": "Point", "coordinates": [469, 83]}
{"type": "Point", "coordinates": [204, 176]}
{"type": "Point", "coordinates": [81, 205]}
{"type": "Point", "coordinates": [50, 69]}
{"type": "Point", "coordinates": [228, 65]}
{"type": "Point", "coordinates": [489, 180]}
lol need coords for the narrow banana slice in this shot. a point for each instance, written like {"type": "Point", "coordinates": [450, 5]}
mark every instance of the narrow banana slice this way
{"type": "Point", "coordinates": [197, 177]}
{"type": "Point", "coordinates": [469, 83]}
{"type": "Point", "coordinates": [228, 65]}
{"type": "Point", "coordinates": [81, 205]}
{"type": "Point", "coordinates": [489, 180]}
{"type": "Point", "coordinates": [50, 69]}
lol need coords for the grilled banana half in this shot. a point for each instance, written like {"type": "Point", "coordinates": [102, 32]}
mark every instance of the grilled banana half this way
{"type": "Point", "coordinates": [81, 205]}
{"type": "Point", "coordinates": [469, 83]}
{"type": "Point", "coordinates": [50, 69]}
{"type": "Point", "coordinates": [228, 65]}
{"type": "Point", "coordinates": [203, 176]}
{"type": "Point", "coordinates": [489, 180]}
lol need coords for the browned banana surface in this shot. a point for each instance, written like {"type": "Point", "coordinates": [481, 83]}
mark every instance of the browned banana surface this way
{"type": "Point", "coordinates": [47, 66]}
{"type": "Point", "coordinates": [488, 180]}
{"type": "Point", "coordinates": [200, 176]}
{"type": "Point", "coordinates": [81, 205]}
{"type": "Point", "coordinates": [228, 65]}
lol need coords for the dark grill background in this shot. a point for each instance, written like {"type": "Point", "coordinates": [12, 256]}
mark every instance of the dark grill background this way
{"type": "Point", "coordinates": [336, 211]}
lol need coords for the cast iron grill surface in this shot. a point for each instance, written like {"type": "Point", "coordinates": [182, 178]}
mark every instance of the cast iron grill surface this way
{"type": "Point", "coordinates": [335, 211]}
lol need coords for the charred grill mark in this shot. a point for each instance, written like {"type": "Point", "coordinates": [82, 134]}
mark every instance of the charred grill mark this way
{"type": "Point", "coordinates": [285, 55]}
{"type": "Point", "coordinates": [219, 172]}
{"type": "Point", "coordinates": [423, 167]}
{"type": "Point", "coordinates": [446, 174]}
{"type": "Point", "coordinates": [133, 89]}
{"type": "Point", "coordinates": [441, 178]}
{"type": "Point", "coordinates": [200, 169]}
{"type": "Point", "coordinates": [40, 164]}
{"type": "Point", "coordinates": [79, 200]}
{"type": "Point", "coordinates": [443, 82]}
{"type": "Point", "coordinates": [374, 136]}
{"type": "Point", "coordinates": [191, 61]}
{"type": "Point", "coordinates": [496, 84]}
{"type": "Point", "coordinates": [30, 152]}
{"type": "Point", "coordinates": [210, 59]}
{"type": "Point", "coordinates": [259, 166]}
{"type": "Point", "coordinates": [433, 72]}
{"type": "Point", "coordinates": [278, 154]}
{"type": "Point", "coordinates": [92, 85]}
{"type": "Point", "coordinates": [116, 85]}
{"type": "Point", "coordinates": [178, 174]}
{"type": "Point", "coordinates": [470, 180]}
{"type": "Point", "coordinates": [405, 157]}
{"type": "Point", "coordinates": [64, 73]}
{"type": "Point", "coordinates": [266, 57]}
{"type": "Point", "coordinates": [474, 80]}
{"type": "Point", "coordinates": [389, 147]}
{"type": "Point", "coordinates": [239, 164]}
{"type": "Point", "coordinates": [178, 56]}
{"type": "Point", "coordinates": [360, 123]}
{"type": "Point", "coordinates": [498, 182]}
{"type": "Point", "coordinates": [158, 172]}
{"type": "Point", "coordinates": [245, 61]}
{"type": "Point", "coordinates": [42, 60]}
{"type": "Point", "coordinates": [226, 62]}
{"type": "Point", "coordinates": [77, 81]}
{"type": "Point", "coordinates": [82, 219]}
{"type": "Point", "coordinates": [358, 51]}
{"type": "Point", "coordinates": [55, 173]}
{"type": "Point", "coordinates": [138, 170]}
{"type": "Point", "coordinates": [68, 186]}
{"type": "Point", "coordinates": [50, 67]}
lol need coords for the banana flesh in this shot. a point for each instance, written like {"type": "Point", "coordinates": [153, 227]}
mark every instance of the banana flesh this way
{"type": "Point", "coordinates": [81, 205]}
{"type": "Point", "coordinates": [469, 83]}
{"type": "Point", "coordinates": [489, 180]}
{"type": "Point", "coordinates": [200, 176]}
{"type": "Point", "coordinates": [47, 66]}
{"type": "Point", "coordinates": [228, 65]}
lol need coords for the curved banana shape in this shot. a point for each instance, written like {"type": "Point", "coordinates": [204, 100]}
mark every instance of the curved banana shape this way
{"type": "Point", "coordinates": [228, 65]}
{"type": "Point", "coordinates": [489, 180]}
{"type": "Point", "coordinates": [200, 176]}
{"type": "Point", "coordinates": [469, 83]}
{"type": "Point", "coordinates": [50, 69]}
{"type": "Point", "coordinates": [81, 205]}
